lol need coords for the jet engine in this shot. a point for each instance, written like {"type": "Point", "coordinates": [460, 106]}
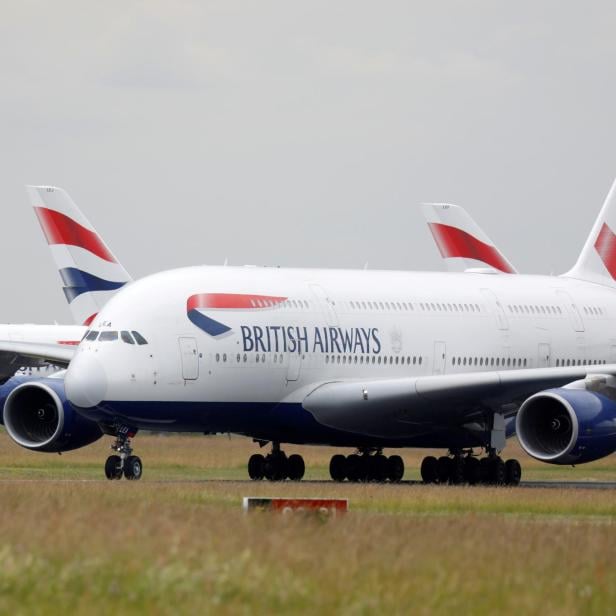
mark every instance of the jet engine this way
{"type": "Point", "coordinates": [569, 425]}
{"type": "Point", "coordinates": [37, 416]}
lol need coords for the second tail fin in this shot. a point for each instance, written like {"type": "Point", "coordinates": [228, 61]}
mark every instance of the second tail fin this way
{"type": "Point", "coordinates": [461, 241]}
{"type": "Point", "coordinates": [89, 271]}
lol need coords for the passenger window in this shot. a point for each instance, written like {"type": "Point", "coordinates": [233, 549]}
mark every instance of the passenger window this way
{"type": "Point", "coordinates": [126, 337]}
{"type": "Point", "coordinates": [93, 335]}
{"type": "Point", "coordinates": [108, 337]}
{"type": "Point", "coordinates": [139, 338]}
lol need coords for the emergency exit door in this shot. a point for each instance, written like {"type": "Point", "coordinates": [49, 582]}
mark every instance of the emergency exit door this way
{"type": "Point", "coordinates": [190, 358]}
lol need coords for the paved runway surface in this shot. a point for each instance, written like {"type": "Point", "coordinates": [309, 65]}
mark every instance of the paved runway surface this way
{"type": "Point", "coordinates": [573, 485]}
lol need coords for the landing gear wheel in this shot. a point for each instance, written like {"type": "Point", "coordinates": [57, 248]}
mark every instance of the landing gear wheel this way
{"type": "Point", "coordinates": [395, 469]}
{"type": "Point", "coordinates": [429, 470]}
{"type": "Point", "coordinates": [457, 471]}
{"type": "Point", "coordinates": [443, 469]}
{"type": "Point", "coordinates": [133, 468]}
{"type": "Point", "coordinates": [378, 468]}
{"type": "Point", "coordinates": [497, 471]}
{"type": "Point", "coordinates": [513, 473]}
{"type": "Point", "coordinates": [472, 472]}
{"type": "Point", "coordinates": [113, 467]}
{"type": "Point", "coordinates": [276, 466]}
{"type": "Point", "coordinates": [337, 467]}
{"type": "Point", "coordinates": [295, 467]}
{"type": "Point", "coordinates": [354, 467]}
{"type": "Point", "coordinates": [256, 467]}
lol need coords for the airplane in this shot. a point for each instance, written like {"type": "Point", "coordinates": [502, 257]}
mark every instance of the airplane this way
{"type": "Point", "coordinates": [461, 242]}
{"type": "Point", "coordinates": [90, 274]}
{"type": "Point", "coordinates": [363, 360]}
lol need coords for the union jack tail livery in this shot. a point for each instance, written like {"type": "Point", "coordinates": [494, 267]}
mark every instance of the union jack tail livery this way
{"type": "Point", "coordinates": [89, 271]}
{"type": "Point", "coordinates": [597, 261]}
{"type": "Point", "coordinates": [461, 241]}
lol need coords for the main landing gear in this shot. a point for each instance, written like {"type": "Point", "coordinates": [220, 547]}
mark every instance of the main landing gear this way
{"type": "Point", "coordinates": [125, 463]}
{"type": "Point", "coordinates": [367, 465]}
{"type": "Point", "coordinates": [276, 466]}
{"type": "Point", "coordinates": [463, 467]}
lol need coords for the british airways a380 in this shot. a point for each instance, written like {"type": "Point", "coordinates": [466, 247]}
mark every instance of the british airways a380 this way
{"type": "Point", "coordinates": [366, 361]}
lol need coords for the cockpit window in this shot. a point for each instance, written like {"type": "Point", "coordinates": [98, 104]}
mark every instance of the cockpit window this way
{"type": "Point", "coordinates": [85, 335]}
{"type": "Point", "coordinates": [92, 335]}
{"type": "Point", "coordinates": [126, 337]}
{"type": "Point", "coordinates": [139, 338]}
{"type": "Point", "coordinates": [108, 336]}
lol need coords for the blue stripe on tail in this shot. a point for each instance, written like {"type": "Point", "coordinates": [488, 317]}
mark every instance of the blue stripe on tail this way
{"type": "Point", "coordinates": [77, 282]}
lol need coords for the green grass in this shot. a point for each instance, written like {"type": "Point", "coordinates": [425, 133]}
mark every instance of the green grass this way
{"type": "Point", "coordinates": [99, 547]}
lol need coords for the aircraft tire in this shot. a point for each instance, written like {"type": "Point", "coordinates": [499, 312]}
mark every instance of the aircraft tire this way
{"type": "Point", "coordinates": [513, 473]}
{"type": "Point", "coordinates": [497, 471]}
{"type": "Point", "coordinates": [113, 467]}
{"type": "Point", "coordinates": [395, 468]}
{"type": "Point", "coordinates": [133, 469]}
{"type": "Point", "coordinates": [276, 467]}
{"type": "Point", "coordinates": [444, 469]}
{"type": "Point", "coordinates": [378, 468]}
{"type": "Point", "coordinates": [457, 471]}
{"type": "Point", "coordinates": [256, 467]}
{"type": "Point", "coordinates": [337, 467]}
{"type": "Point", "coordinates": [429, 469]}
{"type": "Point", "coordinates": [295, 467]}
{"type": "Point", "coordinates": [472, 470]}
{"type": "Point", "coordinates": [353, 467]}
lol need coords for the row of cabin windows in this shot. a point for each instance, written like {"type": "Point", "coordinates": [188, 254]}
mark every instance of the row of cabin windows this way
{"type": "Point", "coordinates": [409, 306]}
{"type": "Point", "coordinates": [508, 362]}
{"type": "Point", "coordinates": [534, 309]}
{"type": "Point", "coordinates": [580, 362]}
{"type": "Point", "coordinates": [333, 359]}
{"type": "Point", "coordinates": [593, 310]}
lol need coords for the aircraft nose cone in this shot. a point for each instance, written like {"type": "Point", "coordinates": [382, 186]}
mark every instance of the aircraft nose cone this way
{"type": "Point", "coordinates": [85, 383]}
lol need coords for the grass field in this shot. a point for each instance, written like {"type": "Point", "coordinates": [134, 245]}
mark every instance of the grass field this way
{"type": "Point", "coordinates": [173, 543]}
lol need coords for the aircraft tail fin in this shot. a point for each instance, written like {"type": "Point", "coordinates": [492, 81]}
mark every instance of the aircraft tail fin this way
{"type": "Point", "coordinates": [460, 240]}
{"type": "Point", "coordinates": [597, 261]}
{"type": "Point", "coordinates": [89, 271]}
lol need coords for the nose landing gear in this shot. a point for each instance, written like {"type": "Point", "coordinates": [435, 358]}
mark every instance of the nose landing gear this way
{"type": "Point", "coordinates": [125, 463]}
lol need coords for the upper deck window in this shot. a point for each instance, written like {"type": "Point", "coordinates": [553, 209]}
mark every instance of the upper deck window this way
{"type": "Point", "coordinates": [108, 336]}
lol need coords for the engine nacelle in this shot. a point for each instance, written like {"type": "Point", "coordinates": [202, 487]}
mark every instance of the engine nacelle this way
{"type": "Point", "coordinates": [567, 426]}
{"type": "Point", "coordinates": [37, 416]}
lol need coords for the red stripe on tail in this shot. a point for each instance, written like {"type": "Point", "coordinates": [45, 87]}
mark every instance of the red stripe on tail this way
{"type": "Point", "coordinates": [606, 249]}
{"type": "Point", "coordinates": [60, 229]}
{"type": "Point", "coordinates": [453, 242]}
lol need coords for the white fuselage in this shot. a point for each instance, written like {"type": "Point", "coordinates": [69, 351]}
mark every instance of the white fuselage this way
{"type": "Point", "coordinates": [327, 325]}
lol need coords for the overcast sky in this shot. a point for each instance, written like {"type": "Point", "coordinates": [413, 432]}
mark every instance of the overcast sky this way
{"type": "Point", "coordinates": [301, 133]}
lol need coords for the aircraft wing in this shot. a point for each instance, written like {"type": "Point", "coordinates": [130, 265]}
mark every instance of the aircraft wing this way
{"type": "Point", "coordinates": [16, 354]}
{"type": "Point", "coordinates": [399, 407]}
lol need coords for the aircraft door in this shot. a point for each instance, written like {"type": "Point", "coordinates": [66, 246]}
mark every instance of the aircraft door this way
{"type": "Point", "coordinates": [189, 355]}
{"type": "Point", "coordinates": [543, 355]}
{"type": "Point", "coordinates": [440, 358]}
{"type": "Point", "coordinates": [294, 367]}
{"type": "Point", "coordinates": [496, 308]}
{"type": "Point", "coordinates": [574, 314]}
{"type": "Point", "coordinates": [326, 303]}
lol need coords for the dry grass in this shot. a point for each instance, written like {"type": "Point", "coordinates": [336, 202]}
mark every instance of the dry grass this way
{"type": "Point", "coordinates": [185, 547]}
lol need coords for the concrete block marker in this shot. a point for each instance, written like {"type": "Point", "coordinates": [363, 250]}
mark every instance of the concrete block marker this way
{"type": "Point", "coordinates": [324, 507]}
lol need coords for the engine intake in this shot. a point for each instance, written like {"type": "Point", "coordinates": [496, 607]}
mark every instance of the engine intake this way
{"type": "Point", "coordinates": [37, 417]}
{"type": "Point", "coordinates": [567, 426]}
